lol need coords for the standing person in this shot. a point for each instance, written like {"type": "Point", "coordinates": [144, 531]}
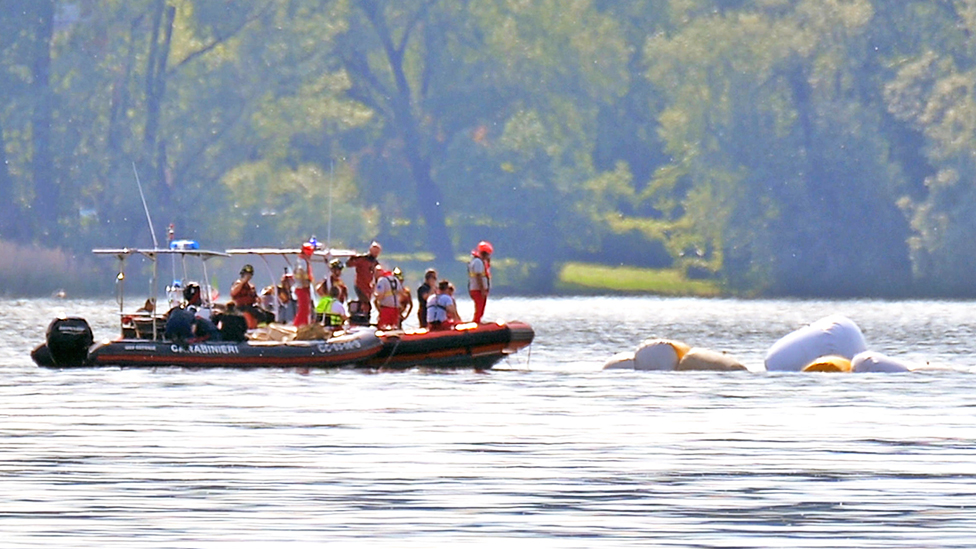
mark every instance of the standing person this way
{"type": "Point", "coordinates": [365, 266]}
{"type": "Point", "coordinates": [423, 292]}
{"type": "Point", "coordinates": [287, 306]}
{"type": "Point", "coordinates": [387, 293]}
{"type": "Point", "coordinates": [335, 280]}
{"type": "Point", "coordinates": [245, 297]}
{"type": "Point", "coordinates": [441, 309]}
{"type": "Point", "coordinates": [479, 278]}
{"type": "Point", "coordinates": [304, 281]}
{"type": "Point", "coordinates": [404, 299]}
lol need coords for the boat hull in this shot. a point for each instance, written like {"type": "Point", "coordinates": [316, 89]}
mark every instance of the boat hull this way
{"type": "Point", "coordinates": [344, 350]}
{"type": "Point", "coordinates": [465, 346]}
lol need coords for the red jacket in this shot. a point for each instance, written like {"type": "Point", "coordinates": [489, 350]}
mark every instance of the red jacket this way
{"type": "Point", "coordinates": [365, 266]}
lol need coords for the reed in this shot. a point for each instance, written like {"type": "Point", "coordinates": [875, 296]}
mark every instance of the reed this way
{"type": "Point", "coordinates": [34, 271]}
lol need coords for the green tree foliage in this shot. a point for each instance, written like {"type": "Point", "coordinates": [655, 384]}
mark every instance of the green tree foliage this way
{"type": "Point", "coordinates": [933, 91]}
{"type": "Point", "coordinates": [781, 146]}
{"type": "Point", "coordinates": [781, 180]}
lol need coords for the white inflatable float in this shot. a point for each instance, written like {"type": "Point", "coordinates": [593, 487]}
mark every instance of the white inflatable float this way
{"type": "Point", "coordinates": [834, 335]}
{"type": "Point", "coordinates": [871, 361]}
{"type": "Point", "coordinates": [660, 354]}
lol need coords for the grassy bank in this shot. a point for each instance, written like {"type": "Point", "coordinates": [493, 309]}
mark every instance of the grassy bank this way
{"type": "Point", "coordinates": [586, 278]}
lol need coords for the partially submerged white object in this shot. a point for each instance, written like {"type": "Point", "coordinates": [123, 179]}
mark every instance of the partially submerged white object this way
{"type": "Point", "coordinates": [831, 335]}
{"type": "Point", "coordinates": [873, 361]}
{"type": "Point", "coordinates": [659, 354]}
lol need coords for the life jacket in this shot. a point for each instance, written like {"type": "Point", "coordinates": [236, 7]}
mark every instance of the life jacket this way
{"type": "Point", "coordinates": [394, 292]}
{"type": "Point", "coordinates": [472, 272]}
{"type": "Point", "coordinates": [437, 308]}
{"type": "Point", "coordinates": [324, 308]}
{"type": "Point", "coordinates": [246, 295]}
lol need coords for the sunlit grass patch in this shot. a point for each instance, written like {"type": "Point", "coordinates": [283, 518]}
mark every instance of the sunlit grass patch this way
{"type": "Point", "coordinates": [592, 278]}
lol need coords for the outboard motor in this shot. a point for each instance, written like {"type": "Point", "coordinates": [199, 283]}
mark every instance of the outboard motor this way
{"type": "Point", "coordinates": [68, 340]}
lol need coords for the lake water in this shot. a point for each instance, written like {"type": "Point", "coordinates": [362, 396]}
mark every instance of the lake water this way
{"type": "Point", "coordinates": [545, 451]}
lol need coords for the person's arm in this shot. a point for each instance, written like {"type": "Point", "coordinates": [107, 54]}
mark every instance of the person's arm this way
{"type": "Point", "coordinates": [235, 288]}
{"type": "Point", "coordinates": [452, 311]}
{"type": "Point", "coordinates": [406, 304]}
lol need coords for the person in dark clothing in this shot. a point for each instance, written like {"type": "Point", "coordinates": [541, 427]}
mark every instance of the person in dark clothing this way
{"type": "Point", "coordinates": [184, 323]}
{"type": "Point", "coordinates": [423, 292]}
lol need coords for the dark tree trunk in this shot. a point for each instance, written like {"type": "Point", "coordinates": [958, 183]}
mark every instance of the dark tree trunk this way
{"type": "Point", "coordinates": [11, 220]}
{"type": "Point", "coordinates": [152, 105]}
{"type": "Point", "coordinates": [155, 149]}
{"type": "Point", "coordinates": [46, 204]}
{"type": "Point", "coordinates": [429, 198]}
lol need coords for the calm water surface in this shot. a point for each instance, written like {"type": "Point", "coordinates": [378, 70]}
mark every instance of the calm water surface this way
{"type": "Point", "coordinates": [546, 451]}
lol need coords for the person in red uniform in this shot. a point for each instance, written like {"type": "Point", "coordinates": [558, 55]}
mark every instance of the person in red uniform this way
{"type": "Point", "coordinates": [479, 278]}
{"type": "Point", "coordinates": [303, 287]}
{"type": "Point", "coordinates": [365, 266]}
{"type": "Point", "coordinates": [388, 300]}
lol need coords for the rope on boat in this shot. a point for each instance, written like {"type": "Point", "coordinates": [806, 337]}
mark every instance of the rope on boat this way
{"type": "Point", "coordinates": [392, 352]}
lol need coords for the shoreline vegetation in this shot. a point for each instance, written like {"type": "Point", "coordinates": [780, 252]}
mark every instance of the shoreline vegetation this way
{"type": "Point", "coordinates": [589, 278]}
{"type": "Point", "coordinates": [33, 271]}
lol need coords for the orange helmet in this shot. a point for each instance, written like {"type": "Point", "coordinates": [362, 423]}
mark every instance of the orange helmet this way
{"type": "Point", "coordinates": [485, 247]}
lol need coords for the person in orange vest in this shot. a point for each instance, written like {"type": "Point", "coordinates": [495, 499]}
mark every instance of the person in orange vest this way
{"type": "Point", "coordinates": [245, 297]}
{"type": "Point", "coordinates": [479, 278]}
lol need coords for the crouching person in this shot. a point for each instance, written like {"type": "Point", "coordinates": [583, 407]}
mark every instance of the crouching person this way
{"type": "Point", "coordinates": [185, 324]}
{"type": "Point", "coordinates": [330, 311]}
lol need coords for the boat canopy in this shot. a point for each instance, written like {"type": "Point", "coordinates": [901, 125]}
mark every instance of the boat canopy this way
{"type": "Point", "coordinates": [151, 253]}
{"type": "Point", "coordinates": [182, 249]}
{"type": "Point", "coordinates": [325, 254]}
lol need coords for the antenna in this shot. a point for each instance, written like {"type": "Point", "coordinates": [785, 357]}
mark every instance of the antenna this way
{"type": "Point", "coordinates": [145, 207]}
{"type": "Point", "coordinates": [328, 239]}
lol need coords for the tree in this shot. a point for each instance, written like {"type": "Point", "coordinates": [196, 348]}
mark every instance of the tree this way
{"type": "Point", "coordinates": [781, 181]}
{"type": "Point", "coordinates": [933, 92]}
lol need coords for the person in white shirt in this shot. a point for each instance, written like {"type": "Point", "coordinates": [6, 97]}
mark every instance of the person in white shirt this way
{"type": "Point", "coordinates": [479, 278]}
{"type": "Point", "coordinates": [441, 309]}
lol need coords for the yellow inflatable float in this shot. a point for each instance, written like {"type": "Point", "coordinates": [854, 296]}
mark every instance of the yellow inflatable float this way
{"type": "Point", "coordinates": [704, 360]}
{"type": "Point", "coordinates": [829, 363]}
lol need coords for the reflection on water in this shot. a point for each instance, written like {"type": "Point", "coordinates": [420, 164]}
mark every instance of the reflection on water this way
{"type": "Point", "coordinates": [549, 451]}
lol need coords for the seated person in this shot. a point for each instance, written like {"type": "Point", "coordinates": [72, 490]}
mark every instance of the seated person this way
{"type": "Point", "coordinates": [148, 307]}
{"type": "Point", "coordinates": [330, 311]}
{"type": "Point", "coordinates": [441, 309]}
{"type": "Point", "coordinates": [231, 323]}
